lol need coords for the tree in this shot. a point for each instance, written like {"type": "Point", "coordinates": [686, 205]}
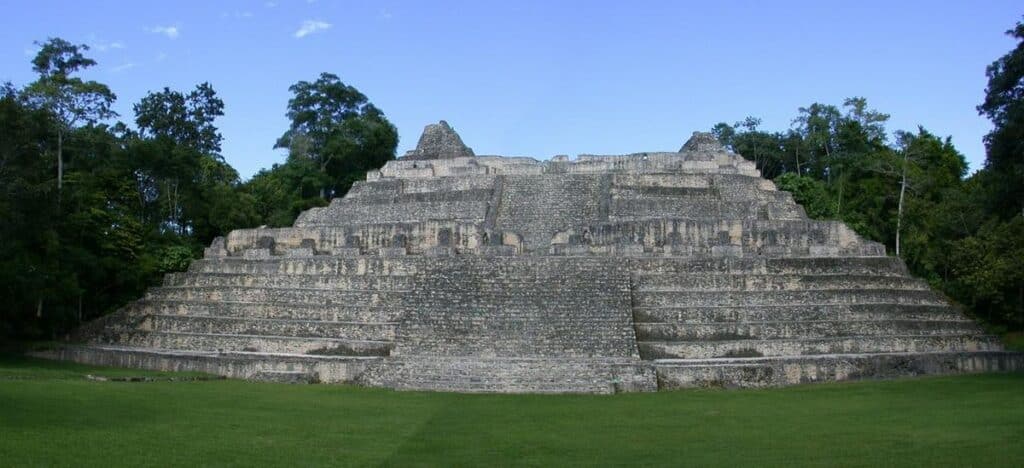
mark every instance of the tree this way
{"type": "Point", "coordinates": [285, 190]}
{"type": "Point", "coordinates": [336, 126]}
{"type": "Point", "coordinates": [185, 119]}
{"type": "Point", "coordinates": [1004, 106]}
{"type": "Point", "coordinates": [987, 263]}
{"type": "Point", "coordinates": [180, 167]}
{"type": "Point", "coordinates": [910, 194]}
{"type": "Point", "coordinates": [817, 126]}
{"type": "Point", "coordinates": [928, 166]}
{"type": "Point", "coordinates": [871, 123]}
{"type": "Point", "coordinates": [810, 193]}
{"type": "Point", "coordinates": [26, 272]}
{"type": "Point", "coordinates": [988, 274]}
{"type": "Point", "coordinates": [71, 100]}
{"type": "Point", "coordinates": [135, 204]}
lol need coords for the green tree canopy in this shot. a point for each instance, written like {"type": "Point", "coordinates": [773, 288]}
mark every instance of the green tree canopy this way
{"type": "Point", "coordinates": [186, 119]}
{"type": "Point", "coordinates": [71, 100]}
{"type": "Point", "coordinates": [336, 127]}
{"type": "Point", "coordinates": [1004, 106]}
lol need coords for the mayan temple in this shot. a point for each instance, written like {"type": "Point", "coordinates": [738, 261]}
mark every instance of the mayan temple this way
{"type": "Point", "coordinates": [449, 271]}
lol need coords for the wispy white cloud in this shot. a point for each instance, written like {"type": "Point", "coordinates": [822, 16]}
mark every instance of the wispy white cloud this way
{"type": "Point", "coordinates": [103, 46]}
{"type": "Point", "coordinates": [270, 4]}
{"type": "Point", "coordinates": [160, 57]}
{"type": "Point", "coordinates": [311, 26]}
{"type": "Point", "coordinates": [384, 14]}
{"type": "Point", "coordinates": [122, 67]}
{"type": "Point", "coordinates": [169, 31]}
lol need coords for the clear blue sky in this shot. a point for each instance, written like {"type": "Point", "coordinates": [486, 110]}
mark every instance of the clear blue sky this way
{"type": "Point", "coordinates": [539, 78]}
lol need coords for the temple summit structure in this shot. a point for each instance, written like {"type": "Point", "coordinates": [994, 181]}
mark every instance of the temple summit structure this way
{"type": "Point", "coordinates": [449, 271]}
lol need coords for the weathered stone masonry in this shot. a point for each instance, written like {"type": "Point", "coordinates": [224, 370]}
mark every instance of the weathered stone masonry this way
{"type": "Point", "coordinates": [450, 271]}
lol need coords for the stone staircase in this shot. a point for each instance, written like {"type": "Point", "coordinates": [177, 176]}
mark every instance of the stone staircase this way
{"type": "Point", "coordinates": [303, 308]}
{"type": "Point", "coordinates": [699, 327]}
{"type": "Point", "coordinates": [524, 324]}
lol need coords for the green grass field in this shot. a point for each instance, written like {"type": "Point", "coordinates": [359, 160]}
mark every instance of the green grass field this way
{"type": "Point", "coordinates": [50, 414]}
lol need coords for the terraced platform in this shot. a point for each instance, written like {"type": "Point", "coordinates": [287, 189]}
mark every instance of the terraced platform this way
{"type": "Point", "coordinates": [449, 271]}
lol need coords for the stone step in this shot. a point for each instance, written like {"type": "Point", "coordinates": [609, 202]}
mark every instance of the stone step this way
{"type": "Point", "coordinates": [452, 194]}
{"type": "Point", "coordinates": [576, 247]}
{"type": "Point", "coordinates": [512, 375]}
{"type": "Point", "coordinates": [377, 188]}
{"type": "Point", "coordinates": [705, 349]}
{"type": "Point", "coordinates": [323, 265]}
{"type": "Point", "coordinates": [446, 183]}
{"type": "Point", "coordinates": [288, 377]}
{"type": "Point", "coordinates": [275, 295]}
{"type": "Point", "coordinates": [273, 327]}
{"type": "Point", "coordinates": [267, 310]}
{"type": "Point", "coordinates": [871, 266]}
{"type": "Point", "coordinates": [239, 365]}
{"type": "Point", "coordinates": [646, 191]}
{"type": "Point", "coordinates": [643, 282]}
{"type": "Point", "coordinates": [256, 343]}
{"type": "Point", "coordinates": [314, 281]}
{"type": "Point", "coordinates": [355, 240]}
{"type": "Point", "coordinates": [774, 313]}
{"type": "Point", "coordinates": [751, 234]}
{"type": "Point", "coordinates": [803, 329]}
{"type": "Point", "coordinates": [756, 298]}
{"type": "Point", "coordinates": [391, 195]}
{"type": "Point", "coordinates": [791, 370]}
{"type": "Point", "coordinates": [343, 214]}
{"type": "Point", "coordinates": [626, 209]}
{"type": "Point", "coordinates": [816, 266]}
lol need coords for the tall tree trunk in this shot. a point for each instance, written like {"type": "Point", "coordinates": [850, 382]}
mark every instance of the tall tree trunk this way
{"type": "Point", "coordinates": [60, 164]}
{"type": "Point", "coordinates": [177, 210]}
{"type": "Point", "coordinates": [60, 159]}
{"type": "Point", "coordinates": [828, 162]}
{"type": "Point", "coordinates": [323, 170]}
{"type": "Point", "coordinates": [899, 210]}
{"type": "Point", "coordinates": [839, 205]}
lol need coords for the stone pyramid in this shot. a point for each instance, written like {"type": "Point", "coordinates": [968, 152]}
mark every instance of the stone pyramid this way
{"type": "Point", "coordinates": [449, 271]}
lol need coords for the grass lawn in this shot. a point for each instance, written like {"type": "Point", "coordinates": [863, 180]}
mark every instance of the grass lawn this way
{"type": "Point", "coordinates": [51, 415]}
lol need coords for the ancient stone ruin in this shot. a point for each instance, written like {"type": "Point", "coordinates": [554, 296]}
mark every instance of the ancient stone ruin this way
{"type": "Point", "coordinates": [449, 271]}
{"type": "Point", "coordinates": [439, 141]}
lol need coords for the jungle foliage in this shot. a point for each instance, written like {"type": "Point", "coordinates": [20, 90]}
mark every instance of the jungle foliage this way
{"type": "Point", "coordinates": [963, 233]}
{"type": "Point", "coordinates": [95, 211]}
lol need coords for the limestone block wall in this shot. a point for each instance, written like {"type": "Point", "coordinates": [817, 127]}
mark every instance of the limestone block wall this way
{"type": "Point", "coordinates": [719, 238]}
{"type": "Point", "coordinates": [407, 238]}
{"type": "Point", "coordinates": [409, 210]}
{"type": "Point", "coordinates": [524, 203]}
{"type": "Point", "coordinates": [717, 162]}
{"type": "Point", "coordinates": [537, 207]}
{"type": "Point", "coordinates": [689, 162]}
